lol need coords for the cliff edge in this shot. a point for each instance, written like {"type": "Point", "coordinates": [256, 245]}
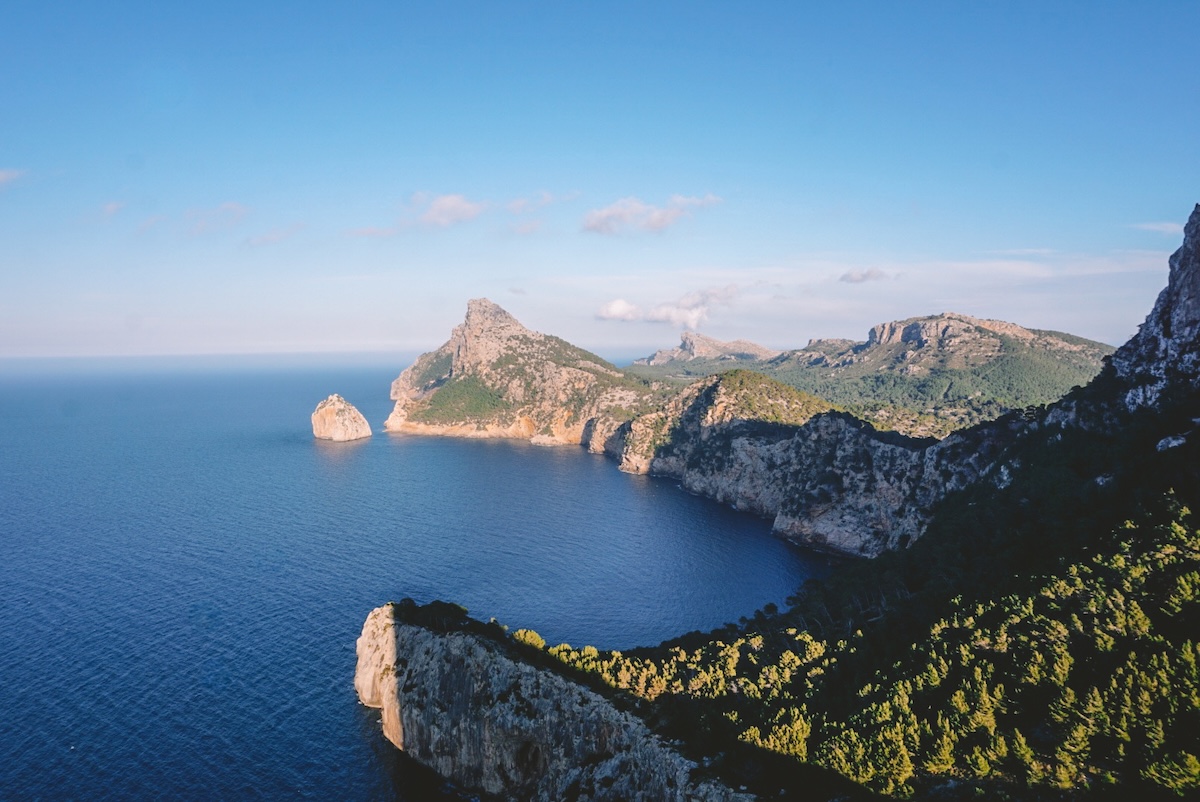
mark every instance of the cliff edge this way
{"type": "Point", "coordinates": [467, 707]}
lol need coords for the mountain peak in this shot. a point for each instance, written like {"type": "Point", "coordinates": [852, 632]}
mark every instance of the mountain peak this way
{"type": "Point", "coordinates": [484, 315]}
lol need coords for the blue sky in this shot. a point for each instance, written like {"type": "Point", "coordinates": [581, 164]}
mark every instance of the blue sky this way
{"type": "Point", "coordinates": [306, 177]}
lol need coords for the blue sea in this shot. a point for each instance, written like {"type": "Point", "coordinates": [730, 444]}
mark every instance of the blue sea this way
{"type": "Point", "coordinates": [184, 571]}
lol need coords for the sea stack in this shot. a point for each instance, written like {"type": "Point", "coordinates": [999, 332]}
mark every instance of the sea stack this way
{"type": "Point", "coordinates": [336, 419]}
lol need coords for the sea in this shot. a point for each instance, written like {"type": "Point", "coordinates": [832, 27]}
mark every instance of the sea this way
{"type": "Point", "coordinates": [184, 570]}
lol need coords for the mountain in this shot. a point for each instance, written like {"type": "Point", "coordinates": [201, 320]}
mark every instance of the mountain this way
{"type": "Point", "coordinates": [1037, 643]}
{"type": "Point", "coordinates": [924, 376]}
{"type": "Point", "coordinates": [496, 378]}
{"type": "Point", "coordinates": [694, 346]}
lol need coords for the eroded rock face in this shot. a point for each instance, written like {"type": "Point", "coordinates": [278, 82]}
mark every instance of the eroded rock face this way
{"type": "Point", "coordinates": [461, 705]}
{"type": "Point", "coordinates": [336, 419]}
{"type": "Point", "coordinates": [1166, 349]}
{"type": "Point", "coordinates": [828, 480]}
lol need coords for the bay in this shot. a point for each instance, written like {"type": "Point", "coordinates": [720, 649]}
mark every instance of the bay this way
{"type": "Point", "coordinates": [184, 571]}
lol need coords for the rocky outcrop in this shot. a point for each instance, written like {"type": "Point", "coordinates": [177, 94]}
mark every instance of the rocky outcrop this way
{"type": "Point", "coordinates": [468, 707]}
{"type": "Point", "coordinates": [496, 378]}
{"type": "Point", "coordinates": [1165, 352]}
{"type": "Point", "coordinates": [694, 346]}
{"type": "Point", "coordinates": [336, 419]}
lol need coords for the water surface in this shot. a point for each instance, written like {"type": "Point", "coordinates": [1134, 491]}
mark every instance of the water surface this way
{"type": "Point", "coordinates": [184, 570]}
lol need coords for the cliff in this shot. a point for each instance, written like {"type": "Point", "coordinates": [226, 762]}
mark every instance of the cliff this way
{"type": "Point", "coordinates": [470, 708]}
{"type": "Point", "coordinates": [496, 378]}
{"type": "Point", "coordinates": [1165, 353]}
{"type": "Point", "coordinates": [829, 480]}
{"type": "Point", "coordinates": [336, 419]}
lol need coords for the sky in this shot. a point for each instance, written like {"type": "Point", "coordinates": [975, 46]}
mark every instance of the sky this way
{"type": "Point", "coordinates": [231, 178]}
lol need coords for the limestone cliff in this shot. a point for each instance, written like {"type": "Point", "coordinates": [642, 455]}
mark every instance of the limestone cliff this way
{"type": "Point", "coordinates": [1166, 350]}
{"type": "Point", "coordinates": [496, 378]}
{"type": "Point", "coordinates": [470, 708]}
{"type": "Point", "coordinates": [336, 419]}
{"type": "Point", "coordinates": [829, 480]}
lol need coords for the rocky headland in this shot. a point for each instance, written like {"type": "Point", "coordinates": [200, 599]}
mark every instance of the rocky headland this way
{"type": "Point", "coordinates": [496, 378]}
{"type": "Point", "coordinates": [337, 419]}
{"type": "Point", "coordinates": [827, 478]}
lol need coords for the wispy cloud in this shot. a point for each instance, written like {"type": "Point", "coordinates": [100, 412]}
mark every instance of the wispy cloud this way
{"type": "Point", "coordinates": [1174, 229]}
{"type": "Point", "coordinates": [7, 176]}
{"type": "Point", "coordinates": [112, 207]}
{"type": "Point", "coordinates": [687, 312]}
{"type": "Point", "coordinates": [206, 221]}
{"type": "Point", "coordinates": [634, 213]}
{"type": "Point", "coordinates": [446, 210]}
{"type": "Point", "coordinates": [862, 276]}
{"type": "Point", "coordinates": [275, 235]}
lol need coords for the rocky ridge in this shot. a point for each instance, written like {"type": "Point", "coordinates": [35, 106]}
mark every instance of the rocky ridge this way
{"type": "Point", "coordinates": [337, 419]}
{"type": "Point", "coordinates": [469, 708]}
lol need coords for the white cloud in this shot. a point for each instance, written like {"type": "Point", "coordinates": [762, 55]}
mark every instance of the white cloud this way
{"type": "Point", "coordinates": [637, 214]}
{"type": "Point", "coordinates": [619, 309]}
{"type": "Point", "coordinates": [860, 276]}
{"type": "Point", "coordinates": [688, 312]}
{"type": "Point", "coordinates": [7, 176]}
{"type": "Point", "coordinates": [446, 210]}
{"type": "Point", "coordinates": [1174, 229]}
{"type": "Point", "coordinates": [111, 208]}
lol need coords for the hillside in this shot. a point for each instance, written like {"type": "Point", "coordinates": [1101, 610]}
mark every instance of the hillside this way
{"type": "Point", "coordinates": [923, 376]}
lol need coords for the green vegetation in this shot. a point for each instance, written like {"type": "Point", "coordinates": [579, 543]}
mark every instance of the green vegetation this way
{"type": "Point", "coordinates": [1041, 641]}
{"type": "Point", "coordinates": [922, 392]}
{"type": "Point", "coordinates": [461, 399]}
{"type": "Point", "coordinates": [436, 366]}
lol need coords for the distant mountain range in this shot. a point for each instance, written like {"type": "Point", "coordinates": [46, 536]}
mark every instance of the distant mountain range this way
{"type": "Point", "coordinates": [924, 376]}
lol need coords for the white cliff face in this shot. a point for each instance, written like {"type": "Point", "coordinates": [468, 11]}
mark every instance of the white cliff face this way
{"type": "Point", "coordinates": [336, 419]}
{"type": "Point", "coordinates": [466, 708]}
